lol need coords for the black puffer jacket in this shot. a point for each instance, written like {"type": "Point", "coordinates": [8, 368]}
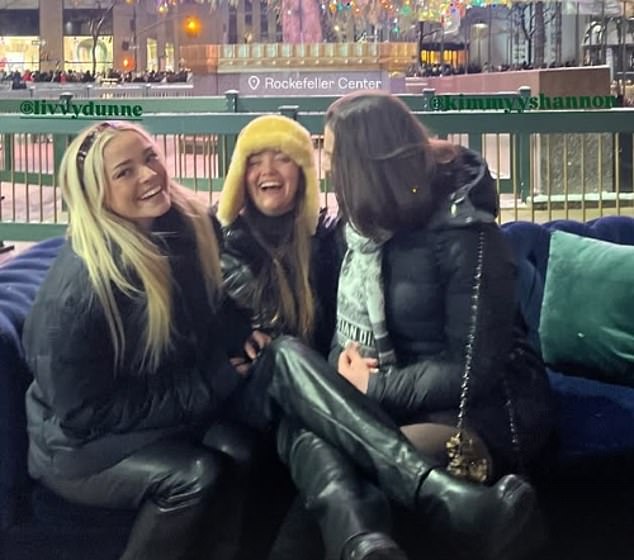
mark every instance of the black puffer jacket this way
{"type": "Point", "coordinates": [82, 417]}
{"type": "Point", "coordinates": [429, 278]}
{"type": "Point", "coordinates": [242, 258]}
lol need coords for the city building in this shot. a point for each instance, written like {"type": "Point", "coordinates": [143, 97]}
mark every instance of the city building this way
{"type": "Point", "coordinates": [50, 35]}
{"type": "Point", "coordinates": [146, 35]}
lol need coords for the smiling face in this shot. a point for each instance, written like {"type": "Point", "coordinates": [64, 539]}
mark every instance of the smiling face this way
{"type": "Point", "coordinates": [138, 186]}
{"type": "Point", "coordinates": [272, 180]}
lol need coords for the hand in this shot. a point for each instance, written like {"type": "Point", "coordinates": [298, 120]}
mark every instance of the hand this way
{"type": "Point", "coordinates": [256, 343]}
{"type": "Point", "coordinates": [355, 368]}
{"type": "Point", "coordinates": [241, 365]}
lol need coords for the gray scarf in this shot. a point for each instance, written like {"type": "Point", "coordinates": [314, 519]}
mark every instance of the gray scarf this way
{"type": "Point", "coordinates": [360, 300]}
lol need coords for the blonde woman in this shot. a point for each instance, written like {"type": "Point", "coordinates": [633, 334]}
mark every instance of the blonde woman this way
{"type": "Point", "coordinates": [126, 346]}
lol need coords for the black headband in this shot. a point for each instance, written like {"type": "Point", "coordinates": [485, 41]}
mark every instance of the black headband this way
{"type": "Point", "coordinates": [85, 148]}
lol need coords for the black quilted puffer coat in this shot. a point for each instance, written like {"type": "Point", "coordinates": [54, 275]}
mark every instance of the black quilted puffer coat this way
{"type": "Point", "coordinates": [429, 278]}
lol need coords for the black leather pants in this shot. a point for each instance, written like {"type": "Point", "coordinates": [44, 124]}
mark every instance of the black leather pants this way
{"type": "Point", "coordinates": [498, 520]}
{"type": "Point", "coordinates": [344, 502]}
{"type": "Point", "coordinates": [337, 494]}
{"type": "Point", "coordinates": [170, 482]}
{"type": "Point", "coordinates": [312, 393]}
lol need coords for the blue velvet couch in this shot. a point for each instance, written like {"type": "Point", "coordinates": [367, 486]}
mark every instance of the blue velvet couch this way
{"type": "Point", "coordinates": [596, 420]}
{"type": "Point", "coordinates": [594, 440]}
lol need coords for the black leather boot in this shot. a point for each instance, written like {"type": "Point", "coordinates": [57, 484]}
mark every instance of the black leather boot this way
{"type": "Point", "coordinates": [169, 524]}
{"type": "Point", "coordinates": [499, 520]}
{"type": "Point", "coordinates": [373, 546]}
{"type": "Point", "coordinates": [164, 534]}
{"type": "Point", "coordinates": [338, 495]}
{"type": "Point", "coordinates": [225, 539]}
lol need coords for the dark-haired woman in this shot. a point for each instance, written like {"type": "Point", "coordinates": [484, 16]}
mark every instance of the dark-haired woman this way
{"type": "Point", "coordinates": [427, 287]}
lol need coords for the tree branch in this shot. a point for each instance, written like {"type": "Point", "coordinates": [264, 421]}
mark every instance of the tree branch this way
{"type": "Point", "coordinates": [94, 27]}
{"type": "Point", "coordinates": [103, 17]}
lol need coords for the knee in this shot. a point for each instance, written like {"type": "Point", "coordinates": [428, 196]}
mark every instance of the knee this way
{"type": "Point", "coordinates": [239, 443]}
{"type": "Point", "coordinates": [193, 479]}
{"type": "Point", "coordinates": [283, 345]}
{"type": "Point", "coordinates": [299, 446]}
{"type": "Point", "coordinates": [328, 480]}
{"type": "Point", "coordinates": [295, 445]}
{"type": "Point", "coordinates": [318, 465]}
{"type": "Point", "coordinates": [289, 353]}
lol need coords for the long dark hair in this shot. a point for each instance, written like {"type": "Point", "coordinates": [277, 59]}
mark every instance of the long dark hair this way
{"type": "Point", "coordinates": [384, 164]}
{"type": "Point", "coordinates": [281, 291]}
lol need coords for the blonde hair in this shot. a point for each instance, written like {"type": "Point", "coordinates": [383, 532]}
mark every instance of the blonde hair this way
{"type": "Point", "coordinates": [115, 250]}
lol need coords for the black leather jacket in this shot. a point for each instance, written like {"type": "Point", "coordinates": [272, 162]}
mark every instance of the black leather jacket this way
{"type": "Point", "coordinates": [242, 257]}
{"type": "Point", "coordinates": [84, 417]}
{"type": "Point", "coordinates": [429, 278]}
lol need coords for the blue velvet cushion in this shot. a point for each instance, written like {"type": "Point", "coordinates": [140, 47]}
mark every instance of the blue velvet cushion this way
{"type": "Point", "coordinates": [587, 317]}
{"type": "Point", "coordinates": [595, 418]}
{"type": "Point", "coordinates": [20, 279]}
{"type": "Point", "coordinates": [531, 244]}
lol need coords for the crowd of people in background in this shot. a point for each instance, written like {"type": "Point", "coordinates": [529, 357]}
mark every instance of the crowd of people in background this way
{"type": "Point", "coordinates": [21, 80]}
{"type": "Point", "coordinates": [426, 70]}
{"type": "Point", "coordinates": [624, 94]}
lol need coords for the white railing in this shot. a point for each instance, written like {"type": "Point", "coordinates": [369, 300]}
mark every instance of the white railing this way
{"type": "Point", "coordinates": [48, 90]}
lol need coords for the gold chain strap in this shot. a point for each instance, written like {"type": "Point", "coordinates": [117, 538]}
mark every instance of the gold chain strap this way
{"type": "Point", "coordinates": [464, 462]}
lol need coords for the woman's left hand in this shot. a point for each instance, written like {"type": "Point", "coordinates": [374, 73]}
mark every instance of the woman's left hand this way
{"type": "Point", "coordinates": [355, 368]}
{"type": "Point", "coordinates": [241, 365]}
{"type": "Point", "coordinates": [256, 343]}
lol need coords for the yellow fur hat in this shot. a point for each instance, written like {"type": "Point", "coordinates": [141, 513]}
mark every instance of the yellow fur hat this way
{"type": "Point", "coordinates": [271, 132]}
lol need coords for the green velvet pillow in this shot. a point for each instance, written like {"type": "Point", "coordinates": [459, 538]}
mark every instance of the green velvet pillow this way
{"type": "Point", "coordinates": [587, 317]}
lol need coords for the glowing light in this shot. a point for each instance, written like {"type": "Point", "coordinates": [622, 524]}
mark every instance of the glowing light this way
{"type": "Point", "coordinates": [192, 26]}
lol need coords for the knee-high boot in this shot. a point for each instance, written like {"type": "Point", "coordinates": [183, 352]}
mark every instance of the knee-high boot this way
{"type": "Point", "coordinates": [164, 533]}
{"type": "Point", "coordinates": [497, 521]}
{"type": "Point", "coordinates": [353, 514]}
{"type": "Point", "coordinates": [168, 527]}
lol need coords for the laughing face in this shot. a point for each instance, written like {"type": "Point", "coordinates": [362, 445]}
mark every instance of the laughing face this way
{"type": "Point", "coordinates": [272, 180]}
{"type": "Point", "coordinates": [138, 186]}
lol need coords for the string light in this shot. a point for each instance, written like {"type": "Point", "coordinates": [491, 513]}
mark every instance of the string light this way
{"type": "Point", "coordinates": [399, 14]}
{"type": "Point", "coordinates": [435, 10]}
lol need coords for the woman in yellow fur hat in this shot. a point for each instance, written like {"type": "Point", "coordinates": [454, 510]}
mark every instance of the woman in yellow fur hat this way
{"type": "Point", "coordinates": [273, 234]}
{"type": "Point", "coordinates": [270, 213]}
